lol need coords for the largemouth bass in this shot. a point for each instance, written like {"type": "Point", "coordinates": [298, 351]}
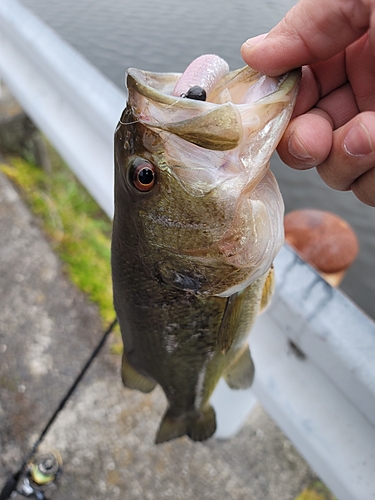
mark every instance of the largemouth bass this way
{"type": "Point", "coordinates": [198, 221]}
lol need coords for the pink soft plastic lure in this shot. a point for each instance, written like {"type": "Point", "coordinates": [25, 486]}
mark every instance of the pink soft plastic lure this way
{"type": "Point", "coordinates": [204, 72]}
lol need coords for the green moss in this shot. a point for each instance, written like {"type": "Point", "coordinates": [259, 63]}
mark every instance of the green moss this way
{"type": "Point", "coordinates": [78, 230]}
{"type": "Point", "coordinates": [316, 491]}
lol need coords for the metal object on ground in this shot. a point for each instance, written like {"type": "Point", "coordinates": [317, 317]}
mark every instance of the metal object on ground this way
{"type": "Point", "coordinates": [40, 475]}
{"type": "Point", "coordinates": [45, 469]}
{"type": "Point", "coordinates": [41, 471]}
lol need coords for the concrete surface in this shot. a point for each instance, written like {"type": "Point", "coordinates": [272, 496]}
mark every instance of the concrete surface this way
{"type": "Point", "coordinates": [105, 434]}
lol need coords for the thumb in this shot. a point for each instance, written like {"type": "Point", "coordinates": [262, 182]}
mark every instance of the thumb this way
{"type": "Point", "coordinates": [312, 31]}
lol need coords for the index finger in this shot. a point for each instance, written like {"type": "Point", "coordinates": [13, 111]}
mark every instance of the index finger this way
{"type": "Point", "coordinates": [312, 31]}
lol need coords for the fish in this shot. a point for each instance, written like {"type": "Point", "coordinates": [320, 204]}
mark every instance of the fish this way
{"type": "Point", "coordinates": [198, 222]}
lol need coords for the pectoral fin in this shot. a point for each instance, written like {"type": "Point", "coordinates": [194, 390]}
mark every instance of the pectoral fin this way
{"type": "Point", "coordinates": [268, 289]}
{"type": "Point", "coordinates": [240, 374]}
{"type": "Point", "coordinates": [230, 321]}
{"type": "Point", "coordinates": [134, 380]}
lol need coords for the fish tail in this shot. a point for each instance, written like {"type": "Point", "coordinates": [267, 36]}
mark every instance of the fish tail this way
{"type": "Point", "coordinates": [198, 427]}
{"type": "Point", "coordinates": [203, 425]}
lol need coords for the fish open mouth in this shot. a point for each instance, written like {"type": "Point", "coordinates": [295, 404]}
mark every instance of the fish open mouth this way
{"type": "Point", "coordinates": [237, 103]}
{"type": "Point", "coordinates": [216, 131]}
{"type": "Point", "coordinates": [232, 133]}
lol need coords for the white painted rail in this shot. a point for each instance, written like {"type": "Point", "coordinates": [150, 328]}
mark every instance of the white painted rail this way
{"type": "Point", "coordinates": [67, 98]}
{"type": "Point", "coordinates": [321, 394]}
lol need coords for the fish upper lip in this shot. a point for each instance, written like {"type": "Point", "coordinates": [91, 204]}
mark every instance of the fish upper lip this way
{"type": "Point", "coordinates": [214, 124]}
{"type": "Point", "coordinates": [157, 87]}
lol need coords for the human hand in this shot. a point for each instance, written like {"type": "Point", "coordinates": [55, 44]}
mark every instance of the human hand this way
{"type": "Point", "coordinates": [333, 124]}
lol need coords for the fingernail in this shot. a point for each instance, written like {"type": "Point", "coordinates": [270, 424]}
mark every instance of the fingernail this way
{"type": "Point", "coordinates": [297, 149]}
{"type": "Point", "coordinates": [251, 42]}
{"type": "Point", "coordinates": [358, 141]}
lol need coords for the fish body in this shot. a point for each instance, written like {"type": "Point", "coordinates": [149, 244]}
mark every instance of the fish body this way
{"type": "Point", "coordinates": [198, 222]}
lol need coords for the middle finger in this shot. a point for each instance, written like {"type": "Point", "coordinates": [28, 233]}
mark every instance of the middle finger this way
{"type": "Point", "coordinates": [352, 152]}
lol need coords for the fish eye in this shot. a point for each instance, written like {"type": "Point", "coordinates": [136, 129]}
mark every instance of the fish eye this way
{"type": "Point", "coordinates": [143, 175]}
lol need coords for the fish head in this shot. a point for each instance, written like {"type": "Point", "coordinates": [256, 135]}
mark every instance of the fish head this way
{"type": "Point", "coordinates": [194, 196]}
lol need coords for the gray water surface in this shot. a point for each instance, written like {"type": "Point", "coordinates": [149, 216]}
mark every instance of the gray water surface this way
{"type": "Point", "coordinates": [166, 35]}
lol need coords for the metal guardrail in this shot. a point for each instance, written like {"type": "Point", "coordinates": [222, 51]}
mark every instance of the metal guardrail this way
{"type": "Point", "coordinates": [69, 99]}
{"type": "Point", "coordinates": [321, 394]}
